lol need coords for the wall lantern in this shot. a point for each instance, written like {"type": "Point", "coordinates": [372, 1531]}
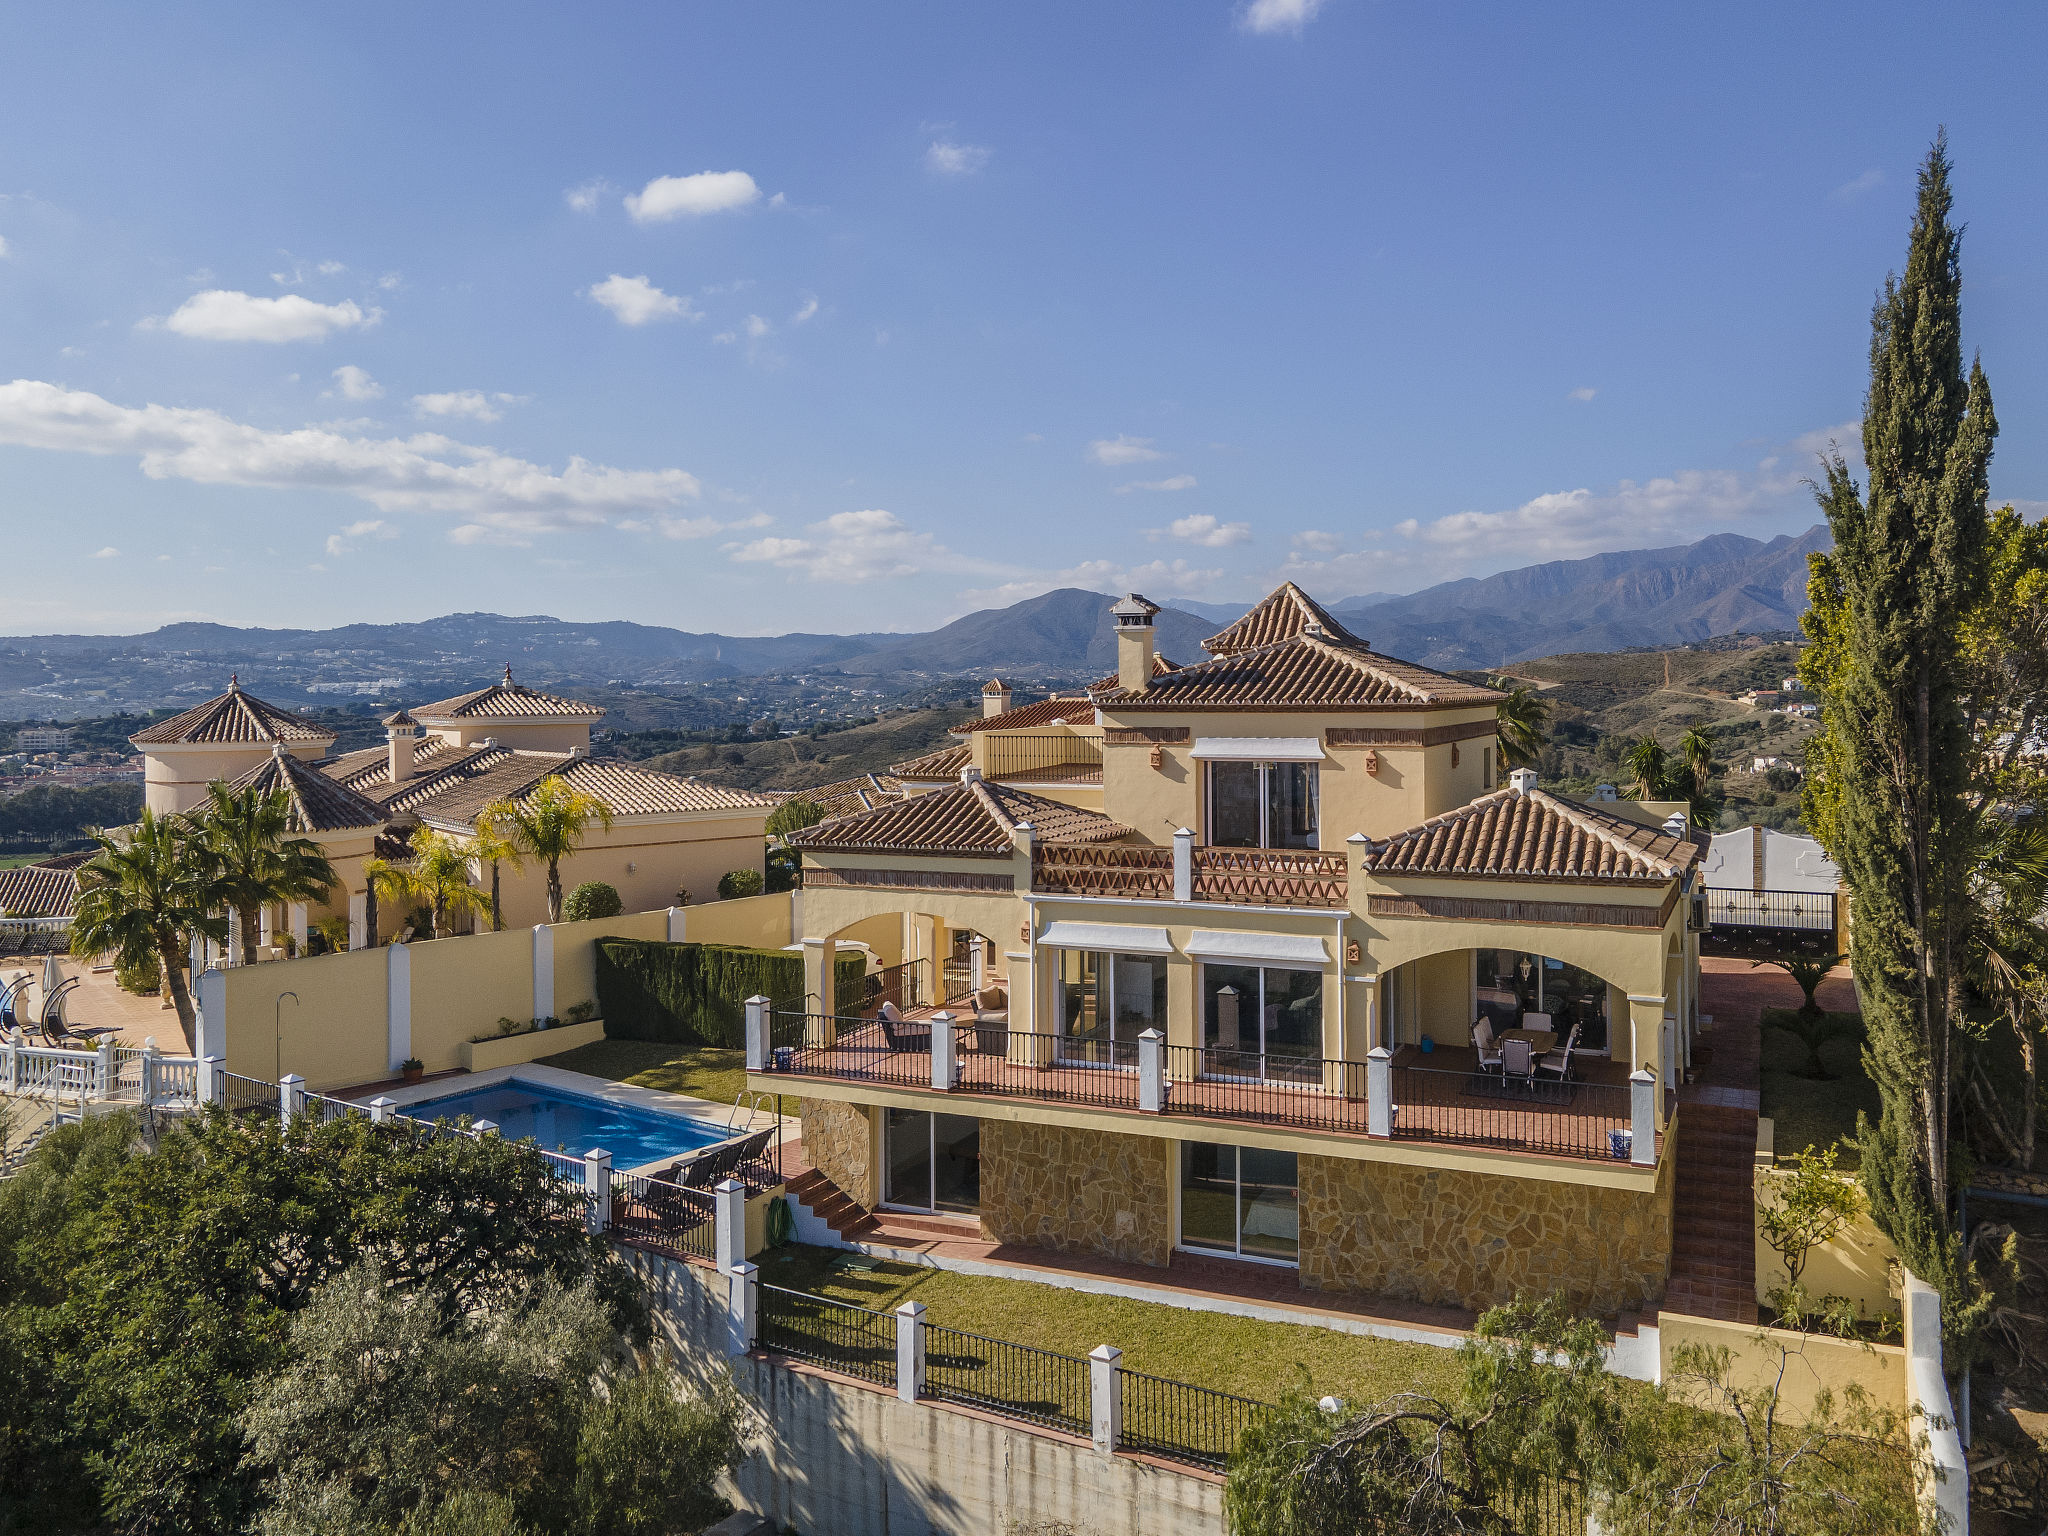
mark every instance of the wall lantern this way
{"type": "Point", "coordinates": [1157, 757]}
{"type": "Point", "coordinates": [1372, 764]}
{"type": "Point", "coordinates": [1353, 953]}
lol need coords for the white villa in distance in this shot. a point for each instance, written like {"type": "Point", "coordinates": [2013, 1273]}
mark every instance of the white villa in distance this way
{"type": "Point", "coordinates": [670, 841]}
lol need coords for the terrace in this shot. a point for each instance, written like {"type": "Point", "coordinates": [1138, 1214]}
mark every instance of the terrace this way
{"type": "Point", "coordinates": [1267, 877]}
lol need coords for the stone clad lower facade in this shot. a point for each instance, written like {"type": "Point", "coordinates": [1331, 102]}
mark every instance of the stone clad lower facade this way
{"type": "Point", "coordinates": [839, 1142]}
{"type": "Point", "coordinates": [1075, 1190]}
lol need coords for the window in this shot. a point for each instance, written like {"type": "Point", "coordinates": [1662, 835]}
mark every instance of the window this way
{"type": "Point", "coordinates": [1486, 767]}
{"type": "Point", "coordinates": [1106, 1001]}
{"type": "Point", "coordinates": [1262, 805]}
{"type": "Point", "coordinates": [1510, 983]}
{"type": "Point", "coordinates": [933, 1162]}
{"type": "Point", "coordinates": [1262, 1022]}
{"type": "Point", "coordinates": [1240, 1201]}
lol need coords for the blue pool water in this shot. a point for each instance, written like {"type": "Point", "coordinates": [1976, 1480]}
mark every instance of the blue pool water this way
{"type": "Point", "coordinates": [572, 1123]}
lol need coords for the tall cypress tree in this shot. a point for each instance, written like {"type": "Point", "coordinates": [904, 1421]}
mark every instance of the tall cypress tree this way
{"type": "Point", "coordinates": [1892, 799]}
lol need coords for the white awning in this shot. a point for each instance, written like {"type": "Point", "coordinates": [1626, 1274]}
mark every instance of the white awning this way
{"type": "Point", "coordinates": [1266, 948]}
{"type": "Point", "coordinates": [1262, 749]}
{"type": "Point", "coordinates": [1124, 938]}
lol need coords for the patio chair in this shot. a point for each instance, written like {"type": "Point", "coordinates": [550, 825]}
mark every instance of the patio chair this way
{"type": "Point", "coordinates": [751, 1149]}
{"type": "Point", "coordinates": [1487, 1047]}
{"type": "Point", "coordinates": [1560, 1062]}
{"type": "Point", "coordinates": [712, 1166]}
{"type": "Point", "coordinates": [895, 1030]}
{"type": "Point", "coordinates": [1536, 1021]}
{"type": "Point", "coordinates": [1518, 1063]}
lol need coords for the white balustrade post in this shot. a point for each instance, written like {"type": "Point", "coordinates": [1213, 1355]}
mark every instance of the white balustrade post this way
{"type": "Point", "coordinates": [757, 1034]}
{"type": "Point", "coordinates": [1105, 1397]}
{"type": "Point", "coordinates": [597, 1179]}
{"type": "Point", "coordinates": [151, 1057]}
{"type": "Point", "coordinates": [729, 1226]}
{"type": "Point", "coordinates": [484, 1128]}
{"type": "Point", "coordinates": [945, 1053]}
{"type": "Point", "coordinates": [742, 1302]}
{"type": "Point", "coordinates": [1379, 1092]}
{"type": "Point", "coordinates": [1183, 865]}
{"type": "Point", "coordinates": [380, 1110]}
{"type": "Point", "coordinates": [211, 1071]}
{"type": "Point", "coordinates": [910, 1350]}
{"type": "Point", "coordinates": [1152, 1073]}
{"type": "Point", "coordinates": [13, 1061]}
{"type": "Point", "coordinates": [291, 1096]}
{"type": "Point", "coordinates": [103, 1068]}
{"type": "Point", "coordinates": [1642, 1086]}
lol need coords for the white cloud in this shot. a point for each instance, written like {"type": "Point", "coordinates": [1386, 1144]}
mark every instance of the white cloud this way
{"type": "Point", "coordinates": [636, 301]}
{"type": "Point", "coordinates": [105, 554]}
{"type": "Point", "coordinates": [1123, 450]}
{"type": "Point", "coordinates": [585, 198]}
{"type": "Point", "coordinates": [1278, 15]}
{"type": "Point", "coordinates": [1170, 483]}
{"type": "Point", "coordinates": [500, 496]}
{"type": "Point", "coordinates": [222, 314]}
{"type": "Point", "coordinates": [1202, 529]}
{"type": "Point", "coordinates": [339, 544]}
{"type": "Point", "coordinates": [1315, 539]}
{"type": "Point", "coordinates": [868, 545]}
{"type": "Point", "coordinates": [471, 403]}
{"type": "Point", "coordinates": [809, 309]}
{"type": "Point", "coordinates": [673, 197]}
{"type": "Point", "coordinates": [951, 159]}
{"type": "Point", "coordinates": [331, 268]}
{"type": "Point", "coordinates": [757, 327]}
{"type": "Point", "coordinates": [353, 383]}
{"type": "Point", "coordinates": [1582, 394]}
{"type": "Point", "coordinates": [1849, 191]}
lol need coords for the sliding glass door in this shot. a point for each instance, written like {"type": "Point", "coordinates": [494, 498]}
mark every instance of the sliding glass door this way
{"type": "Point", "coordinates": [1262, 805]}
{"type": "Point", "coordinates": [1240, 1201]}
{"type": "Point", "coordinates": [1262, 1023]}
{"type": "Point", "coordinates": [933, 1162]}
{"type": "Point", "coordinates": [1511, 983]}
{"type": "Point", "coordinates": [1105, 1002]}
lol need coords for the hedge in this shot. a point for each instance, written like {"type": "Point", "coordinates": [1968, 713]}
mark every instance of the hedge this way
{"type": "Point", "coordinates": [695, 994]}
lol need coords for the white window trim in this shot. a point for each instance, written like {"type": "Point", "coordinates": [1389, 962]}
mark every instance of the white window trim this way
{"type": "Point", "coordinates": [1263, 764]}
{"type": "Point", "coordinates": [1236, 1251]}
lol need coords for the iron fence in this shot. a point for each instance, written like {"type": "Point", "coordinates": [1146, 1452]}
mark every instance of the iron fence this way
{"type": "Point", "coordinates": [664, 1217]}
{"type": "Point", "coordinates": [844, 1338]}
{"type": "Point", "coordinates": [248, 1096]}
{"type": "Point", "coordinates": [1799, 911]}
{"type": "Point", "coordinates": [1220, 1084]}
{"type": "Point", "coordinates": [1180, 1422]}
{"type": "Point", "coordinates": [1017, 1381]}
{"type": "Point", "coordinates": [1481, 1109]}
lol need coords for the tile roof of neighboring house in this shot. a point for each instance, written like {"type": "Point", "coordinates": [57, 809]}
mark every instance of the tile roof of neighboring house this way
{"type": "Point", "coordinates": [233, 718]}
{"type": "Point", "coordinates": [1060, 709]}
{"type": "Point", "coordinates": [39, 890]}
{"type": "Point", "coordinates": [368, 770]}
{"type": "Point", "coordinates": [970, 820]}
{"type": "Point", "coordinates": [1160, 667]}
{"type": "Point", "coordinates": [1280, 616]}
{"type": "Point", "coordinates": [632, 791]}
{"type": "Point", "coordinates": [507, 700]}
{"type": "Point", "coordinates": [320, 803]}
{"type": "Point", "coordinates": [1303, 671]}
{"type": "Point", "coordinates": [458, 785]}
{"type": "Point", "coordinates": [1533, 836]}
{"type": "Point", "coordinates": [844, 797]}
{"type": "Point", "coordinates": [945, 763]}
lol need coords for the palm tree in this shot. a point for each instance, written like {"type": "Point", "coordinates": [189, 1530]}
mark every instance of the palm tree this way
{"type": "Point", "coordinates": [1523, 715]}
{"type": "Point", "coordinates": [149, 887]}
{"type": "Point", "coordinates": [436, 876]}
{"type": "Point", "coordinates": [548, 825]}
{"type": "Point", "coordinates": [1649, 768]}
{"type": "Point", "coordinates": [257, 862]}
{"type": "Point", "coordinates": [1697, 748]}
{"type": "Point", "coordinates": [489, 845]}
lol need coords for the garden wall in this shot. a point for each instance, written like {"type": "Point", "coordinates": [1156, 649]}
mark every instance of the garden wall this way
{"type": "Point", "coordinates": [1857, 1264]}
{"type": "Point", "coordinates": [1814, 1361]}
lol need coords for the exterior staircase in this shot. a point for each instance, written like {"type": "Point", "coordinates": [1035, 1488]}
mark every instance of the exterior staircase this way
{"type": "Point", "coordinates": [1713, 1249]}
{"type": "Point", "coordinates": [854, 1224]}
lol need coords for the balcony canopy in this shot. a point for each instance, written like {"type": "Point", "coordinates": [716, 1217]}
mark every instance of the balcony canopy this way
{"type": "Point", "coordinates": [1122, 938]}
{"type": "Point", "coordinates": [1259, 749]}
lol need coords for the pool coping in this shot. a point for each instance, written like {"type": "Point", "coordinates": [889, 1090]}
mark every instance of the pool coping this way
{"type": "Point", "coordinates": [561, 1080]}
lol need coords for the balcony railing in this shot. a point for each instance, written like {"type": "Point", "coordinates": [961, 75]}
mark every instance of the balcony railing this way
{"type": "Point", "coordinates": [1802, 911]}
{"type": "Point", "coordinates": [1054, 754]}
{"type": "Point", "coordinates": [1264, 877]}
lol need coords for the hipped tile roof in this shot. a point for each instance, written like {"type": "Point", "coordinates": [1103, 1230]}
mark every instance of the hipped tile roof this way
{"type": "Point", "coordinates": [1280, 616]}
{"type": "Point", "coordinates": [1303, 671]}
{"type": "Point", "coordinates": [945, 763]}
{"type": "Point", "coordinates": [844, 797]}
{"type": "Point", "coordinates": [453, 784]}
{"type": "Point", "coordinates": [1533, 836]}
{"type": "Point", "coordinates": [969, 820]}
{"type": "Point", "coordinates": [1160, 667]}
{"type": "Point", "coordinates": [40, 890]}
{"type": "Point", "coordinates": [507, 700]}
{"type": "Point", "coordinates": [319, 803]}
{"type": "Point", "coordinates": [233, 718]}
{"type": "Point", "coordinates": [1060, 709]}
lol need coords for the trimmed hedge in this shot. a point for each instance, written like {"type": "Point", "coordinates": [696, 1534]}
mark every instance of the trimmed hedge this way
{"type": "Point", "coordinates": [593, 898]}
{"type": "Point", "coordinates": [695, 994]}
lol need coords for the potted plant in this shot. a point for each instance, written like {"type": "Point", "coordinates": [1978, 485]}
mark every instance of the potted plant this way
{"type": "Point", "coordinates": [412, 1069]}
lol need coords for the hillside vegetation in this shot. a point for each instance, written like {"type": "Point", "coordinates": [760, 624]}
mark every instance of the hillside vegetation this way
{"type": "Point", "coordinates": [800, 762]}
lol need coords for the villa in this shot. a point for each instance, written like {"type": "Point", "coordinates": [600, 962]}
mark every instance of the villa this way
{"type": "Point", "coordinates": [1260, 957]}
{"type": "Point", "coordinates": [670, 840]}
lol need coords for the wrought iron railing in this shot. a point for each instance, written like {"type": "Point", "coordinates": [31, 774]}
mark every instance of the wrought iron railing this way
{"type": "Point", "coordinates": [1274, 1089]}
{"type": "Point", "coordinates": [1018, 1381]}
{"type": "Point", "coordinates": [1800, 911]}
{"type": "Point", "coordinates": [834, 1334]}
{"type": "Point", "coordinates": [247, 1096]}
{"type": "Point", "coordinates": [1478, 1108]}
{"type": "Point", "coordinates": [1179, 1422]}
{"type": "Point", "coordinates": [652, 1213]}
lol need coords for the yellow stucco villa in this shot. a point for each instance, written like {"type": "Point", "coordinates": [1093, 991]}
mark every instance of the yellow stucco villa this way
{"type": "Point", "coordinates": [1260, 957]}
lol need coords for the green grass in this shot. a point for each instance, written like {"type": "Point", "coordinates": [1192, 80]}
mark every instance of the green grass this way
{"type": "Point", "coordinates": [700, 1072]}
{"type": "Point", "coordinates": [1230, 1354]}
{"type": "Point", "coordinates": [17, 860]}
{"type": "Point", "coordinates": [1812, 1112]}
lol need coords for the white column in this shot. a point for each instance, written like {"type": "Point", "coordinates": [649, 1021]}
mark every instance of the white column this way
{"type": "Point", "coordinates": [295, 921]}
{"type": "Point", "coordinates": [729, 1226]}
{"type": "Point", "coordinates": [1106, 1399]}
{"type": "Point", "coordinates": [150, 1057]}
{"type": "Point", "coordinates": [597, 1179]}
{"type": "Point", "coordinates": [381, 1108]}
{"type": "Point", "coordinates": [741, 1309]}
{"type": "Point", "coordinates": [1152, 1073]}
{"type": "Point", "coordinates": [291, 1096]}
{"type": "Point", "coordinates": [1642, 1085]}
{"type": "Point", "coordinates": [1379, 1091]}
{"type": "Point", "coordinates": [910, 1350]}
{"type": "Point", "coordinates": [543, 970]}
{"type": "Point", "coordinates": [266, 926]}
{"type": "Point", "coordinates": [196, 961]}
{"type": "Point", "coordinates": [757, 1032]}
{"type": "Point", "coordinates": [398, 1004]}
{"type": "Point", "coordinates": [945, 1053]}
{"type": "Point", "coordinates": [484, 1128]}
{"type": "Point", "coordinates": [678, 925]}
{"type": "Point", "coordinates": [1941, 1473]}
{"type": "Point", "coordinates": [103, 1068]}
{"type": "Point", "coordinates": [359, 920]}
{"type": "Point", "coordinates": [10, 1074]}
{"type": "Point", "coordinates": [1183, 864]}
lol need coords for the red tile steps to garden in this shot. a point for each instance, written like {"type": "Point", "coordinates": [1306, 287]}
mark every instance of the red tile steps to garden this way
{"type": "Point", "coordinates": [854, 1223]}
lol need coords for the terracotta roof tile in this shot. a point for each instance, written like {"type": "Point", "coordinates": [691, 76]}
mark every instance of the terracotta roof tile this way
{"type": "Point", "coordinates": [1305, 671]}
{"type": "Point", "coordinates": [319, 803]}
{"type": "Point", "coordinates": [1281, 616]}
{"type": "Point", "coordinates": [39, 890]}
{"type": "Point", "coordinates": [632, 791]}
{"type": "Point", "coordinates": [231, 719]}
{"type": "Point", "coordinates": [1061, 709]}
{"type": "Point", "coordinates": [945, 763]}
{"type": "Point", "coordinates": [507, 700]}
{"type": "Point", "coordinates": [843, 797]}
{"type": "Point", "coordinates": [455, 793]}
{"type": "Point", "coordinates": [1533, 836]}
{"type": "Point", "coordinates": [971, 820]}
{"type": "Point", "coordinates": [367, 771]}
{"type": "Point", "coordinates": [1160, 667]}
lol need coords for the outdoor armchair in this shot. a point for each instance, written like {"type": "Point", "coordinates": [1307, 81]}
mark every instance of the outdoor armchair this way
{"type": "Point", "coordinates": [1484, 1043]}
{"type": "Point", "coordinates": [1560, 1062]}
{"type": "Point", "coordinates": [1518, 1062]}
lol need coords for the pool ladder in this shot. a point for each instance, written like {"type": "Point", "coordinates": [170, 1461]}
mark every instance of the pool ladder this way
{"type": "Point", "coordinates": [751, 1102]}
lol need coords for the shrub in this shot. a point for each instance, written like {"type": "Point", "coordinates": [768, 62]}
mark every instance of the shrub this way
{"type": "Point", "coordinates": [143, 977]}
{"type": "Point", "coordinates": [695, 994]}
{"type": "Point", "coordinates": [793, 815]}
{"type": "Point", "coordinates": [593, 898]}
{"type": "Point", "coordinates": [739, 882]}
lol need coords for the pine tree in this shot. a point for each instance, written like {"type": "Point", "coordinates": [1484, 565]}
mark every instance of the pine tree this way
{"type": "Point", "coordinates": [1893, 803]}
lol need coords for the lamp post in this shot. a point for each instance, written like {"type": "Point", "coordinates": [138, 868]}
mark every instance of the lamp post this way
{"type": "Point", "coordinates": [277, 1033]}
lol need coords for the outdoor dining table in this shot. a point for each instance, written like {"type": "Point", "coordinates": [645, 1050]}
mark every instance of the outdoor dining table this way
{"type": "Point", "coordinates": [1540, 1040]}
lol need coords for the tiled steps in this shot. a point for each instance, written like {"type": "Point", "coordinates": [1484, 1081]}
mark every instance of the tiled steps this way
{"type": "Point", "coordinates": [1713, 1249]}
{"type": "Point", "coordinates": [853, 1223]}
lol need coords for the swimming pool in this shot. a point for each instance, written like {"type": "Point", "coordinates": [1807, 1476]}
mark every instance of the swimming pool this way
{"type": "Point", "coordinates": [574, 1123]}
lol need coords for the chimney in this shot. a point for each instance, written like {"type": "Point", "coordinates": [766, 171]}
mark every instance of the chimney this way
{"type": "Point", "coordinates": [970, 774]}
{"type": "Point", "coordinates": [995, 697]}
{"type": "Point", "coordinates": [1522, 780]}
{"type": "Point", "coordinates": [1134, 643]}
{"type": "Point", "coordinates": [398, 734]}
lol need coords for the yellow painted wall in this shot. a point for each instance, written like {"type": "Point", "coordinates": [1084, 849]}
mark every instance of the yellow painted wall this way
{"type": "Point", "coordinates": [1444, 992]}
{"type": "Point", "coordinates": [333, 1036]}
{"type": "Point", "coordinates": [576, 952]}
{"type": "Point", "coordinates": [174, 778]}
{"type": "Point", "coordinates": [753, 922]}
{"type": "Point", "coordinates": [1811, 1362]}
{"type": "Point", "coordinates": [463, 986]}
{"type": "Point", "coordinates": [1855, 1264]}
{"type": "Point", "coordinates": [667, 856]}
{"type": "Point", "coordinates": [521, 736]}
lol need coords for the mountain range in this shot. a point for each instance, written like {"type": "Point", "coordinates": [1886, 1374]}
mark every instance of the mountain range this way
{"type": "Point", "coordinates": [1720, 585]}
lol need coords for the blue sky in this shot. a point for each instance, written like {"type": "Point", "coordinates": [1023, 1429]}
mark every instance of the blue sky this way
{"type": "Point", "coordinates": [754, 318]}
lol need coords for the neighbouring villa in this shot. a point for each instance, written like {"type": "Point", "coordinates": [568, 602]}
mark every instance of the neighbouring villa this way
{"type": "Point", "coordinates": [670, 840]}
{"type": "Point", "coordinates": [1260, 957]}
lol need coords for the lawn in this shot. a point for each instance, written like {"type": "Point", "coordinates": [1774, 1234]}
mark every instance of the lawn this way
{"type": "Point", "coordinates": [1810, 1111]}
{"type": "Point", "coordinates": [1230, 1354]}
{"type": "Point", "coordinates": [700, 1072]}
{"type": "Point", "coordinates": [17, 860]}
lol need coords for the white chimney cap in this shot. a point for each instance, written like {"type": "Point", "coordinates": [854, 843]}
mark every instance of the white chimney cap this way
{"type": "Point", "coordinates": [1522, 780]}
{"type": "Point", "coordinates": [1603, 792]}
{"type": "Point", "coordinates": [1675, 824]}
{"type": "Point", "coordinates": [970, 774]}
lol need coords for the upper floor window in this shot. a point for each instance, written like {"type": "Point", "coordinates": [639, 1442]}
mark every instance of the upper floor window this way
{"type": "Point", "coordinates": [1262, 805]}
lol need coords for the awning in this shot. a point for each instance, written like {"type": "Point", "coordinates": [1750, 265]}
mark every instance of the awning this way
{"type": "Point", "coordinates": [1124, 938]}
{"type": "Point", "coordinates": [1262, 749]}
{"type": "Point", "coordinates": [1266, 948]}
